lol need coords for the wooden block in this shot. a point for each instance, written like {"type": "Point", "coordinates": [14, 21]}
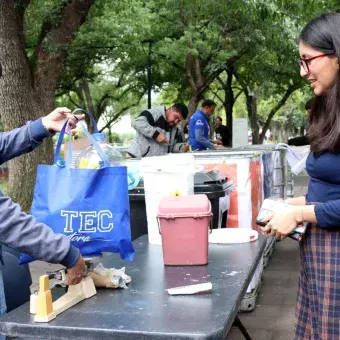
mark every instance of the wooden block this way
{"type": "Point", "coordinates": [33, 303]}
{"type": "Point", "coordinates": [44, 308]}
{"type": "Point", "coordinates": [76, 293]}
{"type": "Point", "coordinates": [88, 287]}
{"type": "Point", "coordinates": [46, 311]}
{"type": "Point", "coordinates": [72, 297]}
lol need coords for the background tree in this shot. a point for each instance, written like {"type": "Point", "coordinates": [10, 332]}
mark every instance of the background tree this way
{"type": "Point", "coordinates": [30, 76]}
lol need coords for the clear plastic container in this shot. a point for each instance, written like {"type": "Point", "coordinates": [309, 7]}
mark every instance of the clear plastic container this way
{"type": "Point", "coordinates": [90, 159]}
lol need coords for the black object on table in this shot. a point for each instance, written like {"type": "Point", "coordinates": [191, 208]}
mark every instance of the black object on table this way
{"type": "Point", "coordinates": [214, 189]}
{"type": "Point", "coordinates": [17, 279]}
{"type": "Point", "coordinates": [145, 310]}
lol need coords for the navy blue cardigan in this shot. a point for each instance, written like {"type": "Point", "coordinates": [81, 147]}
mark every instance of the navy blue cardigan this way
{"type": "Point", "coordinates": [324, 188]}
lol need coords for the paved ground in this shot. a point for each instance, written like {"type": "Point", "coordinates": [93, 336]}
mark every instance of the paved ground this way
{"type": "Point", "coordinates": [273, 317]}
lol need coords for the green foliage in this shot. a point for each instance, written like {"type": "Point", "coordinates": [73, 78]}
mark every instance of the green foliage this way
{"type": "Point", "coordinates": [108, 53]}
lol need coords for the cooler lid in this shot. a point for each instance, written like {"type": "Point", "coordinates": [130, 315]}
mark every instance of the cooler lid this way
{"type": "Point", "coordinates": [184, 206]}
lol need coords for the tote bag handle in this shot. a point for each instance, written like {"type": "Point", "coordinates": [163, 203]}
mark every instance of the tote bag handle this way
{"type": "Point", "coordinates": [60, 162]}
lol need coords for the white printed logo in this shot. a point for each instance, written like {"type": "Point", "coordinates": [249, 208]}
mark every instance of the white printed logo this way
{"type": "Point", "coordinates": [90, 222]}
{"type": "Point", "coordinates": [199, 122]}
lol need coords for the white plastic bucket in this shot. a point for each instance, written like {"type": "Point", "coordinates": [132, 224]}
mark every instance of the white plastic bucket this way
{"type": "Point", "coordinates": [163, 176]}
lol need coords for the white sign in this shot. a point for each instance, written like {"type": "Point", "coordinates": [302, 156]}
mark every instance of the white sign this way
{"type": "Point", "coordinates": [240, 132]}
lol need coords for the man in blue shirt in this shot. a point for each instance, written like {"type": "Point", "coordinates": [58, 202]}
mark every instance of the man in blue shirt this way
{"type": "Point", "coordinates": [199, 129]}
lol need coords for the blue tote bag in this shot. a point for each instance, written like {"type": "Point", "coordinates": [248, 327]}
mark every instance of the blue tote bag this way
{"type": "Point", "coordinates": [90, 206]}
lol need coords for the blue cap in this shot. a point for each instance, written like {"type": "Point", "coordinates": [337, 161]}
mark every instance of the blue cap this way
{"type": "Point", "coordinates": [99, 136]}
{"type": "Point", "coordinates": [61, 163]}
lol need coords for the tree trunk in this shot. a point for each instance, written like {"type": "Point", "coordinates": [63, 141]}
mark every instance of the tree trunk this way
{"type": "Point", "coordinates": [26, 94]}
{"type": "Point", "coordinates": [252, 114]}
{"type": "Point", "coordinates": [84, 85]}
{"type": "Point", "coordinates": [229, 102]}
{"type": "Point", "coordinates": [17, 103]}
{"type": "Point", "coordinates": [193, 103]}
{"type": "Point", "coordinates": [198, 80]}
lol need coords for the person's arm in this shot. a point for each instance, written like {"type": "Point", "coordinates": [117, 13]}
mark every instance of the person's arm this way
{"type": "Point", "coordinates": [199, 136]}
{"type": "Point", "coordinates": [22, 140]}
{"type": "Point", "coordinates": [28, 137]}
{"type": "Point", "coordinates": [328, 214]}
{"type": "Point", "coordinates": [296, 200]}
{"type": "Point", "coordinates": [287, 218]}
{"type": "Point", "coordinates": [20, 231]}
{"type": "Point", "coordinates": [144, 124]}
{"type": "Point", "coordinates": [180, 147]}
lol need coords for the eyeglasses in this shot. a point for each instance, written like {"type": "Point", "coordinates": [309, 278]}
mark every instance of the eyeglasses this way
{"type": "Point", "coordinates": [305, 63]}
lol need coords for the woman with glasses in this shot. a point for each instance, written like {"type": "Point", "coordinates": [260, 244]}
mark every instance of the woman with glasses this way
{"type": "Point", "coordinates": [318, 301]}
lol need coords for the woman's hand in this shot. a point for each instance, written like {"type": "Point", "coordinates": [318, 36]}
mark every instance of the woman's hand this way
{"type": "Point", "coordinates": [54, 121]}
{"type": "Point", "coordinates": [283, 222]}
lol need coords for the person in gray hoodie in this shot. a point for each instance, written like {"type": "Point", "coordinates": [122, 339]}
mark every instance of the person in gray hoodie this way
{"type": "Point", "coordinates": [158, 133]}
{"type": "Point", "coordinates": [19, 230]}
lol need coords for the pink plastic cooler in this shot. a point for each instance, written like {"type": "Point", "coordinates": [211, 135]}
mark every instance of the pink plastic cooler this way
{"type": "Point", "coordinates": [184, 227]}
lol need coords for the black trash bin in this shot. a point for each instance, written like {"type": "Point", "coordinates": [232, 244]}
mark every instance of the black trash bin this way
{"type": "Point", "coordinates": [138, 220]}
{"type": "Point", "coordinates": [207, 183]}
{"type": "Point", "coordinates": [210, 184]}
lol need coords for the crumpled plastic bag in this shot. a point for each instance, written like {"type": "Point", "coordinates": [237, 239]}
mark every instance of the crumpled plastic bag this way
{"type": "Point", "coordinates": [109, 277]}
{"type": "Point", "coordinates": [296, 156]}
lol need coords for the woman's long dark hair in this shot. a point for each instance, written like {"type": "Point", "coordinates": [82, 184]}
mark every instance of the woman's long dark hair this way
{"type": "Point", "coordinates": [323, 34]}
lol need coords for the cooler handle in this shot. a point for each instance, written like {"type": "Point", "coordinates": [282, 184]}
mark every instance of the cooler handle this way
{"type": "Point", "coordinates": [159, 227]}
{"type": "Point", "coordinates": [210, 224]}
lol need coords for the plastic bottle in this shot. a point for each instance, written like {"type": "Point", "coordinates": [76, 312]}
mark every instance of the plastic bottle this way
{"type": "Point", "coordinates": [90, 159]}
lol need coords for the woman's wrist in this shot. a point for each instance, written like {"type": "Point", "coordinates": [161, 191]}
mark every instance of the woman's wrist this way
{"type": "Point", "coordinates": [298, 214]}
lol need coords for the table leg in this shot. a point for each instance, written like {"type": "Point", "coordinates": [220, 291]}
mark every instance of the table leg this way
{"type": "Point", "coordinates": [239, 324]}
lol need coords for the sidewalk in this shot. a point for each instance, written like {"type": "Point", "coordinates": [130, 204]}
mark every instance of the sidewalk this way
{"type": "Point", "coordinates": [273, 317]}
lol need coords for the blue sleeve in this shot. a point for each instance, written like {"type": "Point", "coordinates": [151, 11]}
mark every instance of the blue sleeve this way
{"type": "Point", "coordinates": [22, 232]}
{"type": "Point", "coordinates": [328, 214]}
{"type": "Point", "coordinates": [199, 135]}
{"type": "Point", "coordinates": [22, 140]}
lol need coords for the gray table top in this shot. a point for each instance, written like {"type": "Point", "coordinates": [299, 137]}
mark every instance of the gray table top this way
{"type": "Point", "coordinates": [145, 310]}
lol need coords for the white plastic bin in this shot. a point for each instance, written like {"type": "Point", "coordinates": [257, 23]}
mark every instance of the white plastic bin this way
{"type": "Point", "coordinates": [163, 176]}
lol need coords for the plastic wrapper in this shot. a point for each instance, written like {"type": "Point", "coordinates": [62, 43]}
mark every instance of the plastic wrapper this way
{"type": "Point", "coordinates": [109, 277]}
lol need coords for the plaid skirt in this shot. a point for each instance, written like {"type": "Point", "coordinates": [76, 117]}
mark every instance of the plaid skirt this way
{"type": "Point", "coordinates": [318, 301]}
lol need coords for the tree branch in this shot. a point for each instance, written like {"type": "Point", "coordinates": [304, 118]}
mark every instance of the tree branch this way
{"type": "Point", "coordinates": [218, 96]}
{"type": "Point", "coordinates": [118, 114]}
{"type": "Point", "coordinates": [49, 63]}
{"type": "Point", "coordinates": [289, 91]}
{"type": "Point", "coordinates": [235, 98]}
{"type": "Point", "coordinates": [72, 101]}
{"type": "Point", "coordinates": [172, 62]}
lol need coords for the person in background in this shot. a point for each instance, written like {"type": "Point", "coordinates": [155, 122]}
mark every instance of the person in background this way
{"type": "Point", "coordinates": [158, 133]}
{"type": "Point", "coordinates": [318, 302]}
{"type": "Point", "coordinates": [21, 231]}
{"type": "Point", "coordinates": [199, 128]}
{"type": "Point", "coordinates": [302, 140]}
{"type": "Point", "coordinates": [222, 133]}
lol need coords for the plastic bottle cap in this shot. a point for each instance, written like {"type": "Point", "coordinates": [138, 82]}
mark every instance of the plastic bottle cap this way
{"type": "Point", "coordinates": [61, 163]}
{"type": "Point", "coordinates": [99, 137]}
